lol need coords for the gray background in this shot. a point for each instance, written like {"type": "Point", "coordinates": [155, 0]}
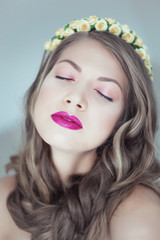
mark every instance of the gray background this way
{"type": "Point", "coordinates": [24, 27]}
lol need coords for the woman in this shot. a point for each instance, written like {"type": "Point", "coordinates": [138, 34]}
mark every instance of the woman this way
{"type": "Point", "coordinates": [87, 169]}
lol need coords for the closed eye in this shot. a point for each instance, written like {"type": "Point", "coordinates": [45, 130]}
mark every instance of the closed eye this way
{"type": "Point", "coordinates": [64, 78]}
{"type": "Point", "coordinates": [106, 97]}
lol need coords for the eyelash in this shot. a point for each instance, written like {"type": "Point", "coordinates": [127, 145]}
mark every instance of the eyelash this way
{"type": "Point", "coordinates": [106, 97]}
{"type": "Point", "coordinates": [70, 79]}
{"type": "Point", "coordinates": [64, 78]}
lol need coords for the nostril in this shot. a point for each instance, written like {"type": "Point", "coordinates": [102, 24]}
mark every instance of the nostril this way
{"type": "Point", "coordinates": [68, 101]}
{"type": "Point", "coordinates": [78, 105]}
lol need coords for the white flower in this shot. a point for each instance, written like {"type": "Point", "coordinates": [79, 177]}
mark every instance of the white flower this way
{"type": "Point", "coordinates": [59, 33]}
{"type": "Point", "coordinates": [125, 28]}
{"type": "Point", "coordinates": [148, 59]}
{"type": "Point", "coordinates": [141, 52]}
{"type": "Point", "coordinates": [83, 26]}
{"type": "Point", "coordinates": [128, 37]}
{"type": "Point", "coordinates": [56, 42]}
{"type": "Point", "coordinates": [101, 25]}
{"type": "Point", "coordinates": [144, 47]}
{"type": "Point", "coordinates": [133, 32]}
{"type": "Point", "coordinates": [68, 32]}
{"type": "Point", "coordinates": [138, 42]}
{"type": "Point", "coordinates": [74, 24]}
{"type": "Point", "coordinates": [48, 46]}
{"type": "Point", "coordinates": [110, 20]}
{"type": "Point", "coordinates": [115, 29]}
{"type": "Point", "coordinates": [151, 76]}
{"type": "Point", "coordinates": [149, 69]}
{"type": "Point", "coordinates": [92, 20]}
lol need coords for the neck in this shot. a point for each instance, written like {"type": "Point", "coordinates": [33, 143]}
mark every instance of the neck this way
{"type": "Point", "coordinates": [68, 163]}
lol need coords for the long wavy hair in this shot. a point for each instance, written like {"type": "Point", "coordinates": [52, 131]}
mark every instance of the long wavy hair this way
{"type": "Point", "coordinates": [82, 208]}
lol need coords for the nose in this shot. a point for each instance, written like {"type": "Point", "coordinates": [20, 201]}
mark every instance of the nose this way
{"type": "Point", "coordinates": [76, 100]}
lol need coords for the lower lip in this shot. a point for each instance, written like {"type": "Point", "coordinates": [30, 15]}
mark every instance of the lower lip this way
{"type": "Point", "coordinates": [65, 123]}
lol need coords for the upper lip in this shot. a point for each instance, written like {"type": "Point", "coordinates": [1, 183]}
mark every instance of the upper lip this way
{"type": "Point", "coordinates": [66, 116]}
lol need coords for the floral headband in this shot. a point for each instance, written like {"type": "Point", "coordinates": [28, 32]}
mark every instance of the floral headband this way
{"type": "Point", "coordinates": [99, 24]}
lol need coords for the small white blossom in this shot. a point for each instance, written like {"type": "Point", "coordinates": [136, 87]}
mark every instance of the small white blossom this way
{"type": "Point", "coordinates": [145, 47]}
{"type": "Point", "coordinates": [59, 32]}
{"type": "Point", "coordinates": [148, 59]}
{"type": "Point", "coordinates": [68, 32]}
{"type": "Point", "coordinates": [92, 20]}
{"type": "Point", "coordinates": [110, 20]}
{"type": "Point", "coordinates": [125, 28]}
{"type": "Point", "coordinates": [115, 29]}
{"type": "Point", "coordinates": [56, 42]}
{"type": "Point", "coordinates": [48, 46]}
{"type": "Point", "coordinates": [83, 26]}
{"type": "Point", "coordinates": [138, 42]}
{"type": "Point", "coordinates": [141, 52]}
{"type": "Point", "coordinates": [74, 24]}
{"type": "Point", "coordinates": [128, 37]}
{"type": "Point", "coordinates": [149, 70]}
{"type": "Point", "coordinates": [101, 25]}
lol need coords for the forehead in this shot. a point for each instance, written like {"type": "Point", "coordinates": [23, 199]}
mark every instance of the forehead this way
{"type": "Point", "coordinates": [90, 51]}
{"type": "Point", "coordinates": [87, 46]}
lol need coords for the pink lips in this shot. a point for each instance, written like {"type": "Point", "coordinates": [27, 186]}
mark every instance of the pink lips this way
{"type": "Point", "coordinates": [65, 120]}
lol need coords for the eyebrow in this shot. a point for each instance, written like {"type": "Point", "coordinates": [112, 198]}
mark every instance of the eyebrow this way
{"type": "Point", "coordinates": [103, 79]}
{"type": "Point", "coordinates": [74, 65]}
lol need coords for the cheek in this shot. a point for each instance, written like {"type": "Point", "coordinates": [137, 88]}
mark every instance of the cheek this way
{"type": "Point", "coordinates": [46, 98]}
{"type": "Point", "coordinates": [43, 96]}
{"type": "Point", "coordinates": [108, 117]}
{"type": "Point", "coordinates": [42, 105]}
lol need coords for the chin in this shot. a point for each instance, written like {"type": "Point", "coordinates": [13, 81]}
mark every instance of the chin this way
{"type": "Point", "coordinates": [60, 141]}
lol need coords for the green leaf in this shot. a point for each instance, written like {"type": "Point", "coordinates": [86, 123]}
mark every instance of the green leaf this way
{"type": "Point", "coordinates": [92, 26]}
{"type": "Point", "coordinates": [66, 26]}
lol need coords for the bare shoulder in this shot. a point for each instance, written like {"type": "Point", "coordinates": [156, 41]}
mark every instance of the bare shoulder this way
{"type": "Point", "coordinates": [8, 229]}
{"type": "Point", "coordinates": [137, 217]}
{"type": "Point", "coordinates": [7, 185]}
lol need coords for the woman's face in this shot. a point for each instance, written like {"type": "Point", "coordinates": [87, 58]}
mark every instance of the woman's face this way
{"type": "Point", "coordinates": [88, 83]}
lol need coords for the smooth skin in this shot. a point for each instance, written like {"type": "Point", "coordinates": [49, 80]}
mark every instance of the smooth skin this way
{"type": "Point", "coordinates": [80, 93]}
{"type": "Point", "coordinates": [8, 229]}
{"type": "Point", "coordinates": [88, 82]}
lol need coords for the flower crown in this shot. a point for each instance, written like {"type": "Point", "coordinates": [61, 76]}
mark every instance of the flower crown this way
{"type": "Point", "coordinates": [99, 24]}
